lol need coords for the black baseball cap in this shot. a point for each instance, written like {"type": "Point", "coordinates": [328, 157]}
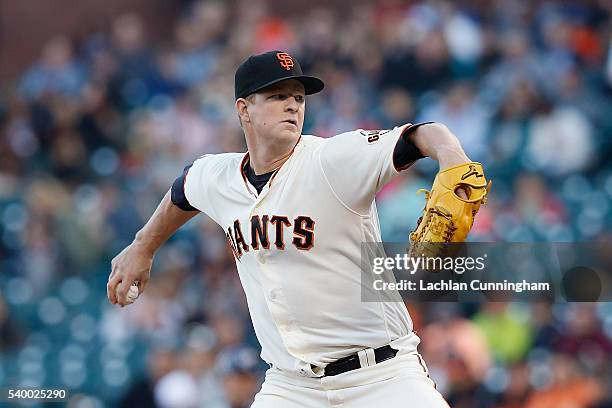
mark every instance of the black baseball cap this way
{"type": "Point", "coordinates": [260, 71]}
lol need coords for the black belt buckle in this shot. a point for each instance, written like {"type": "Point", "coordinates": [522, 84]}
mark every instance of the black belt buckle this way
{"type": "Point", "coordinates": [351, 362]}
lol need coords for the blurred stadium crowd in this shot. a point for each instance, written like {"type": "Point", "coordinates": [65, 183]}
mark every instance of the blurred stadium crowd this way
{"type": "Point", "coordinates": [96, 130]}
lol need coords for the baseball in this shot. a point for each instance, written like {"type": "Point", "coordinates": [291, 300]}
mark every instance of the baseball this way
{"type": "Point", "coordinates": [132, 294]}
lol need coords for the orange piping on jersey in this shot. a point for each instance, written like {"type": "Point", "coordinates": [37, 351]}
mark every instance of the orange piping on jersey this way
{"type": "Point", "coordinates": [290, 154]}
{"type": "Point", "coordinates": [246, 183]}
{"type": "Point", "coordinates": [273, 175]}
{"type": "Point", "coordinates": [246, 158]}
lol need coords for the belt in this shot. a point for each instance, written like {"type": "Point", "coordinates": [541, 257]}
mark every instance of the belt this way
{"type": "Point", "coordinates": [363, 358]}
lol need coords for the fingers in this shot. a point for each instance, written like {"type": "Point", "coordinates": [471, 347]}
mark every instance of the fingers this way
{"type": "Point", "coordinates": [142, 283]}
{"type": "Point", "coordinates": [122, 291]}
{"type": "Point", "coordinates": [129, 267]}
{"type": "Point", "coordinates": [118, 286]}
{"type": "Point", "coordinates": [111, 286]}
{"type": "Point", "coordinates": [117, 289]}
{"type": "Point", "coordinates": [461, 193]}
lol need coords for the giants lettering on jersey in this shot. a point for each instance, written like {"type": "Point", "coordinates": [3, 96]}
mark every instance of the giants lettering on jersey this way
{"type": "Point", "coordinates": [302, 234]}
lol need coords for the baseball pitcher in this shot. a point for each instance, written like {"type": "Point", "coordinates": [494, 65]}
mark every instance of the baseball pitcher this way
{"type": "Point", "coordinates": [295, 210]}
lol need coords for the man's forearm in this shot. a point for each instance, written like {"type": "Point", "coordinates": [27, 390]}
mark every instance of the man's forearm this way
{"type": "Point", "coordinates": [164, 222]}
{"type": "Point", "coordinates": [438, 142]}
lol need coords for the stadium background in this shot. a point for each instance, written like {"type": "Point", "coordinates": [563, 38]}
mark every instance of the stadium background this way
{"type": "Point", "coordinates": [102, 105]}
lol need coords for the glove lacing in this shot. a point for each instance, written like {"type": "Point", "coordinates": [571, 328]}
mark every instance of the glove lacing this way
{"type": "Point", "coordinates": [449, 230]}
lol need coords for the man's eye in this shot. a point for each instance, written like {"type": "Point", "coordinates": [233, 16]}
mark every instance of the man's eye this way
{"type": "Point", "coordinates": [299, 98]}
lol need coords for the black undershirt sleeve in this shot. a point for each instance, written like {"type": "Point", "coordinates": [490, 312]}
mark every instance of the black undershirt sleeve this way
{"type": "Point", "coordinates": [177, 193]}
{"type": "Point", "coordinates": [405, 152]}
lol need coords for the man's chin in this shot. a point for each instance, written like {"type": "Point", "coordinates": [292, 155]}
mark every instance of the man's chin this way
{"type": "Point", "coordinates": [290, 134]}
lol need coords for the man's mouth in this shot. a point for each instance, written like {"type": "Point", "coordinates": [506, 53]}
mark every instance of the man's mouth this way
{"type": "Point", "coordinates": [292, 121]}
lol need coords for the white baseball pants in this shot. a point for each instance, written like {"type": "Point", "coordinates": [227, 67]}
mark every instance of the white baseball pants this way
{"type": "Point", "coordinates": [402, 381]}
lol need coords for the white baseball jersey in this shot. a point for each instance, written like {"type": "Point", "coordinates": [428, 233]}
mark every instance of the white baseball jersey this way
{"type": "Point", "coordinates": [297, 246]}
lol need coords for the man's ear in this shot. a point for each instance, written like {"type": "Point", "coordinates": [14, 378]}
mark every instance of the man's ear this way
{"type": "Point", "coordinates": [241, 108]}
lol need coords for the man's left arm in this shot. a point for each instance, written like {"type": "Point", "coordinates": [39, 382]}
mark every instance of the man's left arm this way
{"type": "Point", "coordinates": [429, 139]}
{"type": "Point", "coordinates": [457, 192]}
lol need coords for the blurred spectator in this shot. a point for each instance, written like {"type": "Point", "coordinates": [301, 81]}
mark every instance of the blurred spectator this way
{"type": "Point", "coordinates": [537, 204]}
{"type": "Point", "coordinates": [200, 358]}
{"type": "Point", "coordinates": [547, 329]}
{"type": "Point", "coordinates": [464, 115]}
{"type": "Point", "coordinates": [509, 129]}
{"type": "Point", "coordinates": [141, 392]}
{"type": "Point", "coordinates": [57, 72]}
{"type": "Point", "coordinates": [397, 200]}
{"type": "Point", "coordinates": [10, 332]}
{"type": "Point", "coordinates": [193, 383]}
{"type": "Point", "coordinates": [518, 388]}
{"type": "Point", "coordinates": [506, 330]}
{"type": "Point", "coordinates": [609, 63]}
{"type": "Point", "coordinates": [456, 352]}
{"type": "Point", "coordinates": [177, 389]}
{"type": "Point", "coordinates": [240, 377]}
{"type": "Point", "coordinates": [569, 388]}
{"type": "Point", "coordinates": [561, 142]}
{"type": "Point", "coordinates": [583, 338]}
{"type": "Point", "coordinates": [397, 107]}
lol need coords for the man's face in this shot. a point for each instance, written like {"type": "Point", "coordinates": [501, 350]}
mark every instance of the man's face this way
{"type": "Point", "coordinates": [278, 111]}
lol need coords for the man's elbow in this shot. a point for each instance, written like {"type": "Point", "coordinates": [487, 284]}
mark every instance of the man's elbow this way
{"type": "Point", "coordinates": [435, 133]}
{"type": "Point", "coordinates": [438, 129]}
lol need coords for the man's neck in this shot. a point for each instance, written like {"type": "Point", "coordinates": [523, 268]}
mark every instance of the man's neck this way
{"type": "Point", "coordinates": [264, 164]}
{"type": "Point", "coordinates": [266, 158]}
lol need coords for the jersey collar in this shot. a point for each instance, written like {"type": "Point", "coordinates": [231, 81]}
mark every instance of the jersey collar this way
{"type": "Point", "coordinates": [248, 185]}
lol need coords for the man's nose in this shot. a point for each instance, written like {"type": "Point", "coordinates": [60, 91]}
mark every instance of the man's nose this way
{"type": "Point", "coordinates": [292, 104]}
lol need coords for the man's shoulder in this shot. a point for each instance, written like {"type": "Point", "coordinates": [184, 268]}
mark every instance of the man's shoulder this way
{"type": "Point", "coordinates": [221, 158]}
{"type": "Point", "coordinates": [365, 137]}
{"type": "Point", "coordinates": [312, 139]}
{"type": "Point", "coordinates": [340, 139]}
{"type": "Point", "coordinates": [317, 141]}
{"type": "Point", "coordinates": [220, 161]}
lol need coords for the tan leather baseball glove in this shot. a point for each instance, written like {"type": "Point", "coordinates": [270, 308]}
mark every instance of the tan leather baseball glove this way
{"type": "Point", "coordinates": [447, 217]}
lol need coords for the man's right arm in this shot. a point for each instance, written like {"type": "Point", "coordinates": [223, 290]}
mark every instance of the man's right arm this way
{"type": "Point", "coordinates": [134, 262]}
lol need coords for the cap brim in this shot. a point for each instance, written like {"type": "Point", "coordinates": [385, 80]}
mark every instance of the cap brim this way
{"type": "Point", "coordinates": [312, 85]}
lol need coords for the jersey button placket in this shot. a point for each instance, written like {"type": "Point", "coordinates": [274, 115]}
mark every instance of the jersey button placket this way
{"type": "Point", "coordinates": [277, 303]}
{"type": "Point", "coordinates": [261, 259]}
{"type": "Point", "coordinates": [286, 327]}
{"type": "Point", "coordinates": [273, 295]}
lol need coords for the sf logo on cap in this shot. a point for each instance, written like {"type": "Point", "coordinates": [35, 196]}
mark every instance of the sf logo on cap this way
{"type": "Point", "coordinates": [285, 60]}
